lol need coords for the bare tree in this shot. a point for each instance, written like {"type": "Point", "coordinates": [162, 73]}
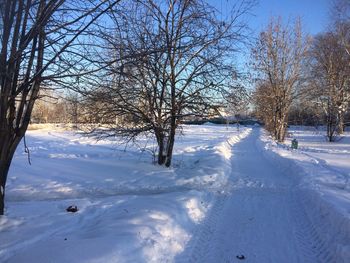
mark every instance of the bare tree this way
{"type": "Point", "coordinates": [237, 100]}
{"type": "Point", "coordinates": [330, 76]}
{"type": "Point", "coordinates": [278, 58]}
{"type": "Point", "coordinates": [264, 105]}
{"type": "Point", "coordinates": [49, 108]}
{"type": "Point", "coordinates": [324, 100]}
{"type": "Point", "coordinates": [171, 60]}
{"type": "Point", "coordinates": [35, 36]}
{"type": "Point", "coordinates": [340, 22]}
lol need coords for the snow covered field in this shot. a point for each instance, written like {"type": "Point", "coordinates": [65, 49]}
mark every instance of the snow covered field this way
{"type": "Point", "coordinates": [129, 209]}
{"type": "Point", "coordinates": [231, 196]}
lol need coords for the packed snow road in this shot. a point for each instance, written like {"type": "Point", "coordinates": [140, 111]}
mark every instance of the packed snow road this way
{"type": "Point", "coordinates": [260, 219]}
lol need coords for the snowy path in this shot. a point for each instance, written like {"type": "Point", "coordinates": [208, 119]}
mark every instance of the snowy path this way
{"type": "Point", "coordinates": [229, 194]}
{"type": "Point", "coordinates": [262, 220]}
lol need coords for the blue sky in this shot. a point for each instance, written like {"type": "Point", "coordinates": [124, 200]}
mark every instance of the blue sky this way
{"type": "Point", "coordinates": [314, 13]}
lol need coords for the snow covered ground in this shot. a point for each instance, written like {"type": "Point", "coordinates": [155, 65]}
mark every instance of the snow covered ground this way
{"type": "Point", "coordinates": [323, 171]}
{"type": "Point", "coordinates": [129, 209]}
{"type": "Point", "coordinates": [231, 196]}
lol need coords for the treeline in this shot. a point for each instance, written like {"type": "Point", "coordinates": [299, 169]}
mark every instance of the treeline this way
{"type": "Point", "coordinates": [62, 107]}
{"type": "Point", "coordinates": [301, 79]}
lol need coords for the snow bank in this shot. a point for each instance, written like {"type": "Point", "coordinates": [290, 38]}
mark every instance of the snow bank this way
{"type": "Point", "coordinates": [209, 165]}
{"type": "Point", "coordinates": [323, 193]}
{"type": "Point", "coordinates": [224, 150]}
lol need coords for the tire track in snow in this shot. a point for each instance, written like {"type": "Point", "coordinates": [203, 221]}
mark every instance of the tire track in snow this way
{"type": "Point", "coordinates": [204, 233]}
{"type": "Point", "coordinates": [255, 197]}
{"type": "Point", "coordinates": [313, 246]}
{"type": "Point", "coordinates": [208, 244]}
{"type": "Point", "coordinates": [198, 248]}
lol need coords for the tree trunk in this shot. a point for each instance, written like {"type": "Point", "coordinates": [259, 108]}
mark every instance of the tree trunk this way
{"type": "Point", "coordinates": [283, 128]}
{"type": "Point", "coordinates": [171, 141]}
{"type": "Point", "coordinates": [4, 169]}
{"type": "Point", "coordinates": [161, 145]}
{"type": "Point", "coordinates": [330, 128]}
{"type": "Point", "coordinates": [8, 145]}
{"type": "Point", "coordinates": [329, 133]}
{"type": "Point", "coordinates": [161, 155]}
{"type": "Point", "coordinates": [341, 123]}
{"type": "Point", "coordinates": [279, 127]}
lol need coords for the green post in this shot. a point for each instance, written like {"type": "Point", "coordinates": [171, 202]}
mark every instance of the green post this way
{"type": "Point", "coordinates": [294, 144]}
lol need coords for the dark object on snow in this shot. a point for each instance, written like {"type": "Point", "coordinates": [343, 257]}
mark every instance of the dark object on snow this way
{"type": "Point", "coordinates": [72, 209]}
{"type": "Point", "coordinates": [241, 257]}
{"type": "Point", "coordinates": [294, 144]}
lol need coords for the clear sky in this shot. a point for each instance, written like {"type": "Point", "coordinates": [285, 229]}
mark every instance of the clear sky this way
{"type": "Point", "coordinates": [314, 13]}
